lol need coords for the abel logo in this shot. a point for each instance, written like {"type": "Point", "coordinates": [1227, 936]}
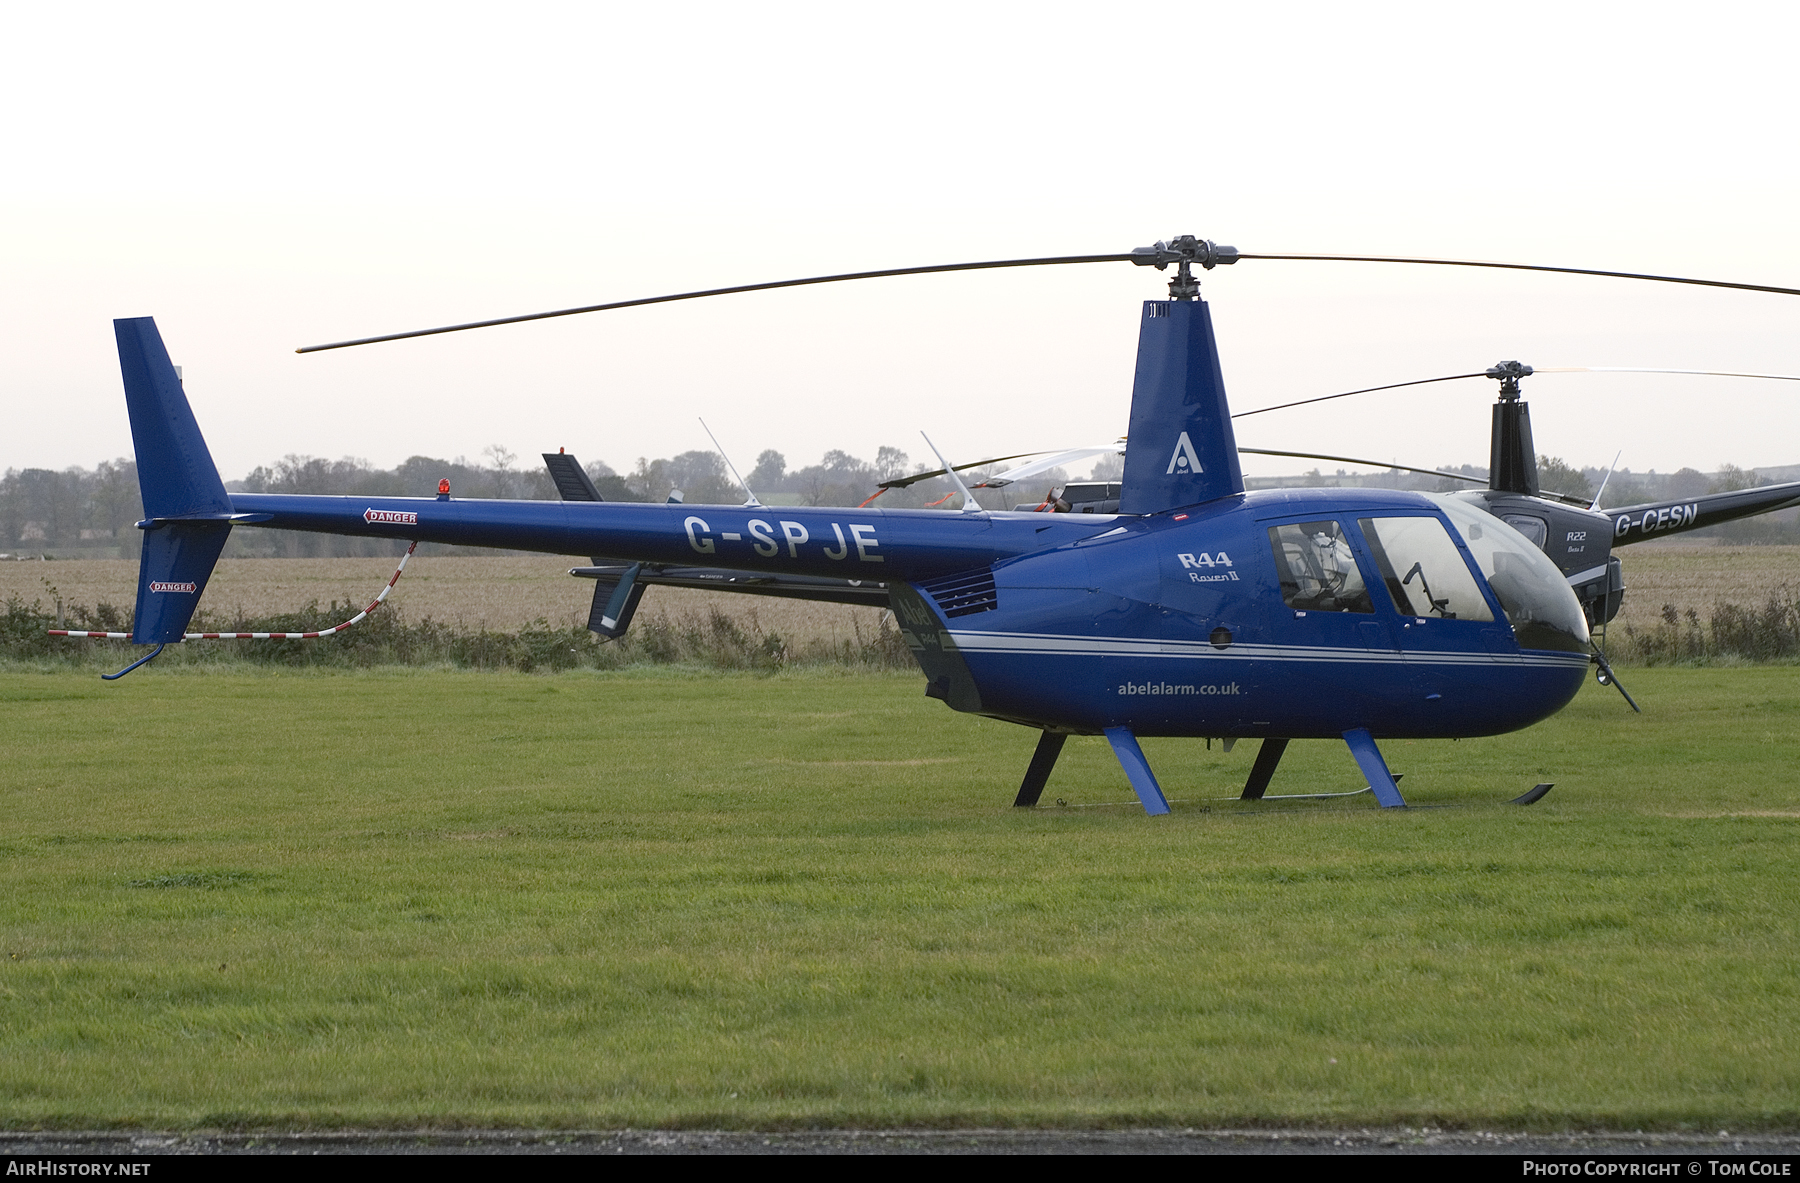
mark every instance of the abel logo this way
{"type": "Point", "coordinates": [389, 515]}
{"type": "Point", "coordinates": [1183, 458]}
{"type": "Point", "coordinates": [157, 586]}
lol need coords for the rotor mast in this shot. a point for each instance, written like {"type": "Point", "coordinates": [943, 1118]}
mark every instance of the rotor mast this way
{"type": "Point", "coordinates": [1512, 460]}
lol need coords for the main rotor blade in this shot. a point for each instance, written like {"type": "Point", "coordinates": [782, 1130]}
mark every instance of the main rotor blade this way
{"type": "Point", "coordinates": [1157, 256]}
{"type": "Point", "coordinates": [902, 482]}
{"type": "Point", "coordinates": [1706, 283]}
{"type": "Point", "coordinates": [1365, 390]}
{"type": "Point", "coordinates": [1045, 463]}
{"type": "Point", "coordinates": [748, 287]}
{"type": "Point", "coordinates": [1642, 370]}
{"type": "Point", "coordinates": [1535, 370]}
{"type": "Point", "coordinates": [1457, 476]}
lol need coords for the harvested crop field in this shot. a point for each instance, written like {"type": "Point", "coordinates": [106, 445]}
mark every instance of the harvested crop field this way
{"type": "Point", "coordinates": [506, 594]}
{"type": "Point", "coordinates": [1698, 577]}
{"type": "Point", "coordinates": [503, 594]}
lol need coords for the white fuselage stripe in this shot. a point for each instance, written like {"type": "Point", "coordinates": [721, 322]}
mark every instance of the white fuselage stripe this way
{"type": "Point", "coordinates": [1071, 646]}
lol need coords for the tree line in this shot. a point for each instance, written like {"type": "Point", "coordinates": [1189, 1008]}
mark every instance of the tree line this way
{"type": "Point", "coordinates": [80, 512]}
{"type": "Point", "coordinates": [92, 513]}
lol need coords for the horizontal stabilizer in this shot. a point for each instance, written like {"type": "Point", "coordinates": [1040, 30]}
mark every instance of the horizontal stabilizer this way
{"type": "Point", "coordinates": [862, 592]}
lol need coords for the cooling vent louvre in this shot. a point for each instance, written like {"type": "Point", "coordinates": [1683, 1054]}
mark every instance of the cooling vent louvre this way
{"type": "Point", "coordinates": [964, 594]}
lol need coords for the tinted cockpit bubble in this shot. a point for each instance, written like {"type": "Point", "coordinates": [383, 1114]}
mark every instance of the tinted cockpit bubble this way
{"type": "Point", "coordinates": [1537, 599]}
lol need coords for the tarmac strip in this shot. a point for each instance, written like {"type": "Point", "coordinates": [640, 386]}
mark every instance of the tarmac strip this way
{"type": "Point", "coordinates": [975, 1141]}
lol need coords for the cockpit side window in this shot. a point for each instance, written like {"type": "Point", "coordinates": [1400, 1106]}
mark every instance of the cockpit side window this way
{"type": "Point", "coordinates": [1318, 569]}
{"type": "Point", "coordinates": [1424, 572]}
{"type": "Point", "coordinates": [1533, 528]}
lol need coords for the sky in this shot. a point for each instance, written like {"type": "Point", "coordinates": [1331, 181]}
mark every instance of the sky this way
{"type": "Point", "coordinates": [259, 178]}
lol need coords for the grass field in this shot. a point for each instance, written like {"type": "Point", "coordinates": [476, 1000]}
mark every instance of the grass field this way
{"type": "Point", "coordinates": [656, 897]}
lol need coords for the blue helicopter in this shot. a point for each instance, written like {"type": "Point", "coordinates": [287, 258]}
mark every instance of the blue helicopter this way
{"type": "Point", "coordinates": [1193, 608]}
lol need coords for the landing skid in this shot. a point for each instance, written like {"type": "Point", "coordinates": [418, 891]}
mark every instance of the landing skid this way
{"type": "Point", "coordinates": [1143, 781]}
{"type": "Point", "coordinates": [1384, 784]}
{"type": "Point", "coordinates": [1125, 747]}
{"type": "Point", "coordinates": [1398, 777]}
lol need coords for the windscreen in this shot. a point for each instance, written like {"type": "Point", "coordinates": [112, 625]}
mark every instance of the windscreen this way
{"type": "Point", "coordinates": [1424, 572]}
{"type": "Point", "coordinates": [1543, 611]}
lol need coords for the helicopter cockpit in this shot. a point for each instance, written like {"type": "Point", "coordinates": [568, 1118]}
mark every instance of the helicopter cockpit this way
{"type": "Point", "coordinates": [1426, 576]}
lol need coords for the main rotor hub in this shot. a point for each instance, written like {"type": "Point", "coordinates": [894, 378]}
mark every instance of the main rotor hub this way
{"type": "Point", "coordinates": [1184, 251]}
{"type": "Point", "coordinates": [1508, 374]}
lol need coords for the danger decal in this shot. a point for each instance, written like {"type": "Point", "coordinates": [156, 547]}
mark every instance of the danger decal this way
{"type": "Point", "coordinates": [390, 516]}
{"type": "Point", "coordinates": [157, 586]}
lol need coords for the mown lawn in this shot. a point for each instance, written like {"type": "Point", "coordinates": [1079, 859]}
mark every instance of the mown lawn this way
{"type": "Point", "coordinates": [657, 897]}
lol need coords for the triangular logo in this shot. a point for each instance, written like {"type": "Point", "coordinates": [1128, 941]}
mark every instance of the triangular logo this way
{"type": "Point", "coordinates": [1183, 458]}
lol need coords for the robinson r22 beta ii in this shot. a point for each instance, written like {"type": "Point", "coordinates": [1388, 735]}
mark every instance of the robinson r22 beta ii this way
{"type": "Point", "coordinates": [1197, 609]}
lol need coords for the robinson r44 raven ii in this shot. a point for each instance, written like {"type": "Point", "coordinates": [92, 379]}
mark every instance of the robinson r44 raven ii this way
{"type": "Point", "coordinates": [1197, 609]}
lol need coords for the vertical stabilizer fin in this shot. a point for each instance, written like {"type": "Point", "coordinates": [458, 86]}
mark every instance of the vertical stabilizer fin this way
{"type": "Point", "coordinates": [178, 479]}
{"type": "Point", "coordinates": [571, 480]}
{"type": "Point", "coordinates": [175, 470]}
{"type": "Point", "coordinates": [177, 561]}
{"type": "Point", "coordinates": [615, 602]}
{"type": "Point", "coordinates": [1181, 449]}
{"type": "Point", "coordinates": [616, 597]}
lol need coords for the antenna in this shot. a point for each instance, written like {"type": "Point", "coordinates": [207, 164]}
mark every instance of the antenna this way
{"type": "Point", "coordinates": [752, 501]}
{"type": "Point", "coordinates": [1607, 477]}
{"type": "Point", "coordinates": [969, 505]}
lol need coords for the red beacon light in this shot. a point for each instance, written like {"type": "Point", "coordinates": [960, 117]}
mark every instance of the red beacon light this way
{"type": "Point", "coordinates": [444, 489]}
